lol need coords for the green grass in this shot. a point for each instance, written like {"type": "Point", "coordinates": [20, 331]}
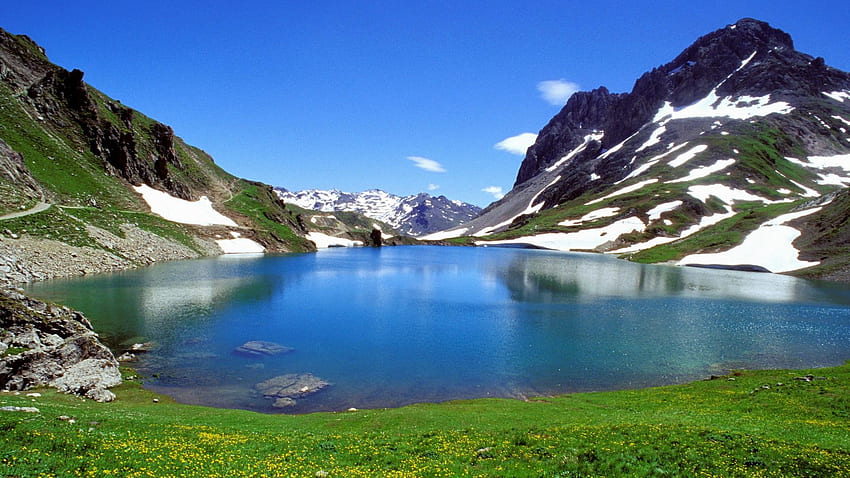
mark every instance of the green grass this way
{"type": "Point", "coordinates": [762, 423]}
{"type": "Point", "coordinates": [723, 235]}
{"type": "Point", "coordinates": [258, 203]}
{"type": "Point", "coordinates": [52, 224]}
{"type": "Point", "coordinates": [12, 199]}
{"type": "Point", "coordinates": [66, 168]}
{"type": "Point", "coordinates": [14, 351]}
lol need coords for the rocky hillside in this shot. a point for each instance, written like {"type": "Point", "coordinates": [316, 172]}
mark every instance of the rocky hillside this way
{"type": "Point", "coordinates": [736, 152]}
{"type": "Point", "coordinates": [77, 160]}
{"type": "Point", "coordinates": [415, 215]}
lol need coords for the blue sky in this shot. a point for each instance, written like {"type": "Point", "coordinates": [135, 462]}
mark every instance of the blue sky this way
{"type": "Point", "coordinates": [403, 96]}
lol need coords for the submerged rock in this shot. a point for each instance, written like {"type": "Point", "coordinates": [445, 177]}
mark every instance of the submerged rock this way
{"type": "Point", "coordinates": [284, 389]}
{"type": "Point", "coordinates": [261, 348]}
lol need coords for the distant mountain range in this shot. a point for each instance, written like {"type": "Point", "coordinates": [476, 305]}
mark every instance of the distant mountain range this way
{"type": "Point", "coordinates": [735, 153]}
{"type": "Point", "coordinates": [415, 215]}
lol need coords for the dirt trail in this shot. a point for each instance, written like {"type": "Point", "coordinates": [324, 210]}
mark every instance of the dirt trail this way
{"type": "Point", "coordinates": [40, 206]}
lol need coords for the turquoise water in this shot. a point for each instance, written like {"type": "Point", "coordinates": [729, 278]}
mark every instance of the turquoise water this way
{"type": "Point", "coordinates": [400, 325]}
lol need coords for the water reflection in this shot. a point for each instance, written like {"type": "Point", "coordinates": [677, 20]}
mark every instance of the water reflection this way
{"type": "Point", "coordinates": [539, 276]}
{"type": "Point", "coordinates": [162, 300]}
{"type": "Point", "coordinates": [393, 326]}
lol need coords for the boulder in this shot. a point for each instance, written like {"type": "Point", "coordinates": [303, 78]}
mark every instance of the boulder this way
{"type": "Point", "coordinates": [284, 389]}
{"type": "Point", "coordinates": [261, 348]}
{"type": "Point", "coordinates": [54, 346]}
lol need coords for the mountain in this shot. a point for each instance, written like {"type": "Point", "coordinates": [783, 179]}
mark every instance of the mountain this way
{"type": "Point", "coordinates": [88, 184]}
{"type": "Point", "coordinates": [735, 153]}
{"type": "Point", "coordinates": [412, 215]}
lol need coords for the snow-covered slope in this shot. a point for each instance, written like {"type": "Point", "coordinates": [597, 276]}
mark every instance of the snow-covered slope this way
{"type": "Point", "coordinates": [731, 154]}
{"type": "Point", "coordinates": [411, 215]}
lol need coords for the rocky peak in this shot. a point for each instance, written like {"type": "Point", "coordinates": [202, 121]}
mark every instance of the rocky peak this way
{"type": "Point", "coordinates": [748, 57]}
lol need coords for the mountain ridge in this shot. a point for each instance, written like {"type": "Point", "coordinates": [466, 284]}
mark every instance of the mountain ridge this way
{"type": "Point", "coordinates": [738, 123]}
{"type": "Point", "coordinates": [413, 215]}
{"type": "Point", "coordinates": [72, 162]}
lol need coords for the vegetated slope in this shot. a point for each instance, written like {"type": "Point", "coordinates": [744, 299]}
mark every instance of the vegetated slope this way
{"type": "Point", "coordinates": [734, 147]}
{"type": "Point", "coordinates": [64, 143]}
{"type": "Point", "coordinates": [767, 423]}
{"type": "Point", "coordinates": [414, 215]}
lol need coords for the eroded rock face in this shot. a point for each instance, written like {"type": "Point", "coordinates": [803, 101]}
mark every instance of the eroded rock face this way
{"type": "Point", "coordinates": [284, 389]}
{"type": "Point", "coordinates": [55, 346]}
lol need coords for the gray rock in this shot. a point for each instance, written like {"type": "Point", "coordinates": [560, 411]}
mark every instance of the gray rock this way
{"type": "Point", "coordinates": [19, 409]}
{"type": "Point", "coordinates": [143, 347]}
{"type": "Point", "coordinates": [261, 348]}
{"type": "Point", "coordinates": [90, 378]}
{"type": "Point", "coordinates": [284, 389]}
{"type": "Point", "coordinates": [62, 350]}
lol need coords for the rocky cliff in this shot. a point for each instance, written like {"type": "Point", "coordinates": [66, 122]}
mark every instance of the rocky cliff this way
{"type": "Point", "coordinates": [737, 131]}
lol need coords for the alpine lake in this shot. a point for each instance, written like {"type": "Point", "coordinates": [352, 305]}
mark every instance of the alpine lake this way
{"type": "Point", "coordinates": [392, 326]}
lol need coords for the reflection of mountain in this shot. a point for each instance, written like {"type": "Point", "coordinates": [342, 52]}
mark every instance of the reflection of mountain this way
{"type": "Point", "coordinates": [543, 277]}
{"type": "Point", "coordinates": [173, 297]}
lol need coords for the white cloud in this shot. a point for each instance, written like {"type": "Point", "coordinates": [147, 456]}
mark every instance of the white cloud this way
{"type": "Point", "coordinates": [496, 191]}
{"type": "Point", "coordinates": [427, 164]}
{"type": "Point", "coordinates": [433, 187]}
{"type": "Point", "coordinates": [557, 92]}
{"type": "Point", "coordinates": [517, 144]}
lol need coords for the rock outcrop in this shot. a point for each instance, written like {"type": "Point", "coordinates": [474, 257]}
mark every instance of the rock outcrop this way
{"type": "Point", "coordinates": [47, 345]}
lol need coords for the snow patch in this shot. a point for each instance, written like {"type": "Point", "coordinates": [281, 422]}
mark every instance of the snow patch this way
{"type": "Point", "coordinates": [324, 241]}
{"type": "Point", "coordinates": [625, 190]}
{"type": "Point", "coordinates": [654, 138]}
{"type": "Point", "coordinates": [724, 193]}
{"type": "Point", "coordinates": [704, 171]}
{"type": "Point", "coordinates": [440, 235]}
{"type": "Point", "coordinates": [770, 246]}
{"type": "Point", "coordinates": [687, 155]}
{"type": "Point", "coordinates": [596, 136]}
{"type": "Point", "coordinates": [839, 96]}
{"type": "Point", "coordinates": [656, 212]}
{"type": "Point", "coordinates": [586, 239]}
{"type": "Point", "coordinates": [199, 213]}
{"type": "Point", "coordinates": [240, 246]}
{"type": "Point", "coordinates": [841, 161]}
{"type": "Point", "coordinates": [705, 222]}
{"type": "Point", "coordinates": [531, 209]}
{"type": "Point", "coordinates": [591, 216]}
{"type": "Point", "coordinates": [839, 118]}
{"type": "Point", "coordinates": [712, 106]}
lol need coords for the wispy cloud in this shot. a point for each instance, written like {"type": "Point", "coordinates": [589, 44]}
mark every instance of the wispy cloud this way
{"type": "Point", "coordinates": [433, 187]}
{"type": "Point", "coordinates": [427, 164]}
{"type": "Point", "coordinates": [517, 144]}
{"type": "Point", "coordinates": [557, 92]}
{"type": "Point", "coordinates": [496, 191]}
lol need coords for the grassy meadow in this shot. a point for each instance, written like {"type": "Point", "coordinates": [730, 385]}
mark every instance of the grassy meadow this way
{"type": "Point", "coordinates": [750, 423]}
